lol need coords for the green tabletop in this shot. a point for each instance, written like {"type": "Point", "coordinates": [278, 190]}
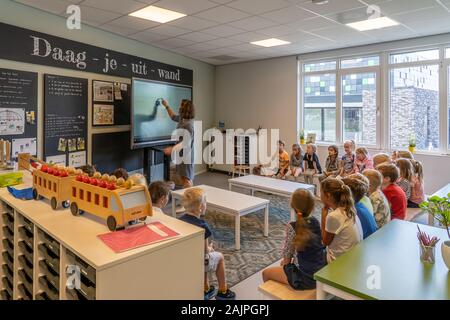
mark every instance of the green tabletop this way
{"type": "Point", "coordinates": [395, 250]}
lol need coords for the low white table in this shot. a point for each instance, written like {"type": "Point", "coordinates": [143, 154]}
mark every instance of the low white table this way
{"type": "Point", "coordinates": [230, 202]}
{"type": "Point", "coordinates": [274, 186]}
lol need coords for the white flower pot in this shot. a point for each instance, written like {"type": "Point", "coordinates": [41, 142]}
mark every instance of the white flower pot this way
{"type": "Point", "coordinates": [445, 249]}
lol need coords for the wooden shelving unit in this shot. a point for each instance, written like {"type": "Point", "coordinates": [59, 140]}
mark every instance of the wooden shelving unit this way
{"type": "Point", "coordinates": [39, 244]}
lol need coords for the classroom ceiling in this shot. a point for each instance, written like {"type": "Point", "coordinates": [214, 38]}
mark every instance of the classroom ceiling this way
{"type": "Point", "coordinates": [220, 31]}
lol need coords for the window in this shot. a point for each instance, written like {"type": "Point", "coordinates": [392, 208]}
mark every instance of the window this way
{"type": "Point", "coordinates": [360, 62]}
{"type": "Point", "coordinates": [97, 199]}
{"type": "Point", "coordinates": [447, 53]}
{"type": "Point", "coordinates": [54, 186]}
{"type": "Point", "coordinates": [40, 181]}
{"type": "Point", "coordinates": [320, 106]}
{"type": "Point", "coordinates": [414, 106]}
{"type": "Point", "coordinates": [88, 194]}
{"type": "Point", "coordinates": [105, 202]}
{"type": "Point", "coordinates": [415, 56]}
{"type": "Point", "coordinates": [359, 102]}
{"type": "Point", "coordinates": [35, 178]}
{"type": "Point", "coordinates": [448, 103]}
{"type": "Point", "coordinates": [45, 183]}
{"type": "Point", "coordinates": [74, 192]}
{"type": "Point", "coordinates": [320, 66]}
{"type": "Point", "coordinates": [81, 194]}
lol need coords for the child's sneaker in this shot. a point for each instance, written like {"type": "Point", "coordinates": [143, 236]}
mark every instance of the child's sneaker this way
{"type": "Point", "coordinates": [211, 293]}
{"type": "Point", "coordinates": [227, 295]}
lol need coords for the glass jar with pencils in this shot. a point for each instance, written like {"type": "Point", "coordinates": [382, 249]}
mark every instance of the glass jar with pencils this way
{"type": "Point", "coordinates": [427, 246]}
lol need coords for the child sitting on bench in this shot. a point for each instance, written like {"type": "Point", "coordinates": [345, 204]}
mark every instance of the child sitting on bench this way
{"type": "Point", "coordinates": [303, 252]}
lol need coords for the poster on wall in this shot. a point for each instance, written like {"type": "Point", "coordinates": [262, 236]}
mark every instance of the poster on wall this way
{"type": "Point", "coordinates": [103, 114]}
{"type": "Point", "coordinates": [111, 103]}
{"type": "Point", "coordinates": [65, 118]}
{"type": "Point", "coordinates": [18, 110]}
{"type": "Point", "coordinates": [103, 91]}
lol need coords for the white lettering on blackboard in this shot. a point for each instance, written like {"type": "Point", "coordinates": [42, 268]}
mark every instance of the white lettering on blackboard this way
{"type": "Point", "coordinates": [140, 69]}
{"type": "Point", "coordinates": [57, 54]}
{"type": "Point", "coordinates": [169, 75]}
{"type": "Point", "coordinates": [110, 64]}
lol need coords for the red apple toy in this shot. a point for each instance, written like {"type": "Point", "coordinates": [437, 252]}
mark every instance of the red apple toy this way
{"type": "Point", "coordinates": [44, 168]}
{"type": "Point", "coordinates": [86, 179]}
{"type": "Point", "coordinates": [111, 186]}
{"type": "Point", "coordinates": [79, 178]}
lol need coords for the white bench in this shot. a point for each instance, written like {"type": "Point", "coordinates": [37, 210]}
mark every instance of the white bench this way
{"type": "Point", "coordinates": [234, 203]}
{"type": "Point", "coordinates": [273, 290]}
{"type": "Point", "coordinates": [277, 187]}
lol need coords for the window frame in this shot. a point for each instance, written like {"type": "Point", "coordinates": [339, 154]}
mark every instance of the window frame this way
{"type": "Point", "coordinates": [383, 92]}
{"type": "Point", "coordinates": [339, 73]}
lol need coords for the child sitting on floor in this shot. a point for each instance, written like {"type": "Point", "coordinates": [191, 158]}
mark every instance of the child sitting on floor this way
{"type": "Point", "coordinates": [339, 230]}
{"type": "Point", "coordinates": [406, 175]}
{"type": "Point", "coordinates": [348, 159]}
{"type": "Point", "coordinates": [194, 201]}
{"type": "Point", "coordinates": [394, 194]}
{"type": "Point", "coordinates": [363, 160]}
{"type": "Point", "coordinates": [296, 161]}
{"type": "Point", "coordinates": [380, 158]}
{"type": "Point", "coordinates": [332, 163]}
{"type": "Point", "coordinates": [417, 186]}
{"type": "Point", "coordinates": [311, 163]}
{"type": "Point", "coordinates": [365, 199]}
{"type": "Point", "coordinates": [359, 189]}
{"type": "Point", "coordinates": [303, 252]}
{"type": "Point", "coordinates": [282, 167]}
{"type": "Point", "coordinates": [380, 204]}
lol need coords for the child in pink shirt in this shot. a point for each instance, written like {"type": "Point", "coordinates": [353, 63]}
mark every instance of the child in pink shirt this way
{"type": "Point", "coordinates": [363, 160]}
{"type": "Point", "coordinates": [417, 186]}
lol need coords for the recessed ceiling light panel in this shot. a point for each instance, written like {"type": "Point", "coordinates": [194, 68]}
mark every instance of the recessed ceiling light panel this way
{"type": "Point", "coordinates": [272, 42]}
{"type": "Point", "coordinates": [157, 14]}
{"type": "Point", "coordinates": [371, 24]}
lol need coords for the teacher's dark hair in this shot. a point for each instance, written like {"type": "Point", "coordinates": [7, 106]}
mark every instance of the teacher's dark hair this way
{"type": "Point", "coordinates": [187, 109]}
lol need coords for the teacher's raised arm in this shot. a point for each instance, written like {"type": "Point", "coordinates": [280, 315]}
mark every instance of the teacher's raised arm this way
{"type": "Point", "coordinates": [169, 110]}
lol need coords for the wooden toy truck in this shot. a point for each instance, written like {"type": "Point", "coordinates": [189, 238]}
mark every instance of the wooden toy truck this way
{"type": "Point", "coordinates": [52, 187]}
{"type": "Point", "coordinates": [116, 205]}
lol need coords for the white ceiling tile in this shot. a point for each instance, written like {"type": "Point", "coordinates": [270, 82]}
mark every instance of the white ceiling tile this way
{"type": "Point", "coordinates": [222, 1]}
{"type": "Point", "coordinates": [248, 37]}
{"type": "Point", "coordinates": [396, 32]}
{"type": "Point", "coordinates": [258, 6]}
{"type": "Point", "coordinates": [399, 6]}
{"type": "Point", "coordinates": [169, 30]}
{"type": "Point", "coordinates": [298, 37]}
{"type": "Point", "coordinates": [222, 14]}
{"type": "Point", "coordinates": [288, 14]}
{"type": "Point", "coordinates": [223, 31]}
{"type": "Point", "coordinates": [202, 46]}
{"type": "Point", "coordinates": [313, 24]}
{"type": "Point", "coordinates": [222, 42]}
{"type": "Point", "coordinates": [332, 6]}
{"type": "Point", "coordinates": [94, 16]}
{"type": "Point", "coordinates": [252, 23]}
{"type": "Point", "coordinates": [243, 47]}
{"type": "Point", "coordinates": [192, 23]}
{"type": "Point", "coordinates": [119, 30]}
{"type": "Point", "coordinates": [174, 43]}
{"type": "Point", "coordinates": [186, 7]}
{"type": "Point", "coordinates": [149, 37]}
{"type": "Point", "coordinates": [53, 6]}
{"type": "Point", "coordinates": [420, 15]}
{"type": "Point", "coordinates": [198, 37]}
{"type": "Point", "coordinates": [133, 23]}
{"type": "Point", "coordinates": [122, 6]}
{"type": "Point", "coordinates": [341, 33]}
{"type": "Point", "coordinates": [276, 31]}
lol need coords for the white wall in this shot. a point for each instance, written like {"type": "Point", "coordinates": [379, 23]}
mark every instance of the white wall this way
{"type": "Point", "coordinates": [17, 14]}
{"type": "Point", "coordinates": [265, 92]}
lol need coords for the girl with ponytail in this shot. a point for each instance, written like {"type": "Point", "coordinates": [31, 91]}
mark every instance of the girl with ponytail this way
{"type": "Point", "coordinates": [417, 185]}
{"type": "Point", "coordinates": [303, 252]}
{"type": "Point", "coordinates": [339, 230]}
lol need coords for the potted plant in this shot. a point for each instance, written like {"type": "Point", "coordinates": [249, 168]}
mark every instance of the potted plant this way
{"type": "Point", "coordinates": [439, 208]}
{"type": "Point", "coordinates": [412, 143]}
{"type": "Point", "coordinates": [302, 136]}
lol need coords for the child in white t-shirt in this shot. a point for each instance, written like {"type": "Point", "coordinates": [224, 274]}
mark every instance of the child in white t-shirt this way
{"type": "Point", "coordinates": [339, 229]}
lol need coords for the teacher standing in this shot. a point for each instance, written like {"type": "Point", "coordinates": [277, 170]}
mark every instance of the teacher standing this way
{"type": "Point", "coordinates": [185, 118]}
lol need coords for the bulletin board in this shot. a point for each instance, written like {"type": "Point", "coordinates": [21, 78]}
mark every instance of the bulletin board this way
{"type": "Point", "coordinates": [65, 120]}
{"type": "Point", "coordinates": [18, 110]}
{"type": "Point", "coordinates": [112, 150]}
{"type": "Point", "coordinates": [111, 103]}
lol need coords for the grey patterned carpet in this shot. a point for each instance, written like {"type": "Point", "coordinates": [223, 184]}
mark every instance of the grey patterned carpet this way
{"type": "Point", "coordinates": [257, 251]}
